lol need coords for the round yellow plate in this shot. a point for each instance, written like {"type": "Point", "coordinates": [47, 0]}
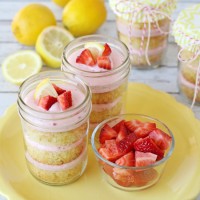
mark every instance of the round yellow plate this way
{"type": "Point", "coordinates": [181, 180]}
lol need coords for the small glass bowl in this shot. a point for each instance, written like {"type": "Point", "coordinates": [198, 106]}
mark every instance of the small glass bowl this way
{"type": "Point", "coordinates": [131, 178]}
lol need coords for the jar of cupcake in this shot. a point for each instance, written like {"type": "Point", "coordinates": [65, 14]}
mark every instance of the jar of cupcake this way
{"type": "Point", "coordinates": [143, 25]}
{"type": "Point", "coordinates": [186, 31]}
{"type": "Point", "coordinates": [104, 64]}
{"type": "Point", "coordinates": [54, 108]}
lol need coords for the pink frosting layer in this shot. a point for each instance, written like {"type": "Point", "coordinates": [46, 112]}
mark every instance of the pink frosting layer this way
{"type": "Point", "coordinates": [65, 166]}
{"type": "Point", "coordinates": [124, 29]}
{"type": "Point", "coordinates": [52, 148]}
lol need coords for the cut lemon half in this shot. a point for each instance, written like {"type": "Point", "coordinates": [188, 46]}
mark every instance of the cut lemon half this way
{"type": "Point", "coordinates": [50, 45]}
{"type": "Point", "coordinates": [95, 48]}
{"type": "Point", "coordinates": [44, 88]}
{"type": "Point", "coordinates": [19, 66]}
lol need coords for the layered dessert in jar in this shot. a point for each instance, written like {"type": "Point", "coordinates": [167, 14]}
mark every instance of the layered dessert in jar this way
{"type": "Point", "coordinates": [143, 26]}
{"type": "Point", "coordinates": [54, 108]}
{"type": "Point", "coordinates": [186, 31]}
{"type": "Point", "coordinates": [103, 63]}
{"type": "Point", "coordinates": [132, 150]}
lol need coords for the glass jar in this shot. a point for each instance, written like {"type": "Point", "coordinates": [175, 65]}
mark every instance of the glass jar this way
{"type": "Point", "coordinates": [109, 86]}
{"type": "Point", "coordinates": [144, 27]}
{"type": "Point", "coordinates": [55, 142]}
{"type": "Point", "coordinates": [188, 74]}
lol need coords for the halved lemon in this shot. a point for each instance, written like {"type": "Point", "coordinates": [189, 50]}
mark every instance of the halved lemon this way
{"type": "Point", "coordinates": [44, 88]}
{"type": "Point", "coordinates": [95, 48]}
{"type": "Point", "coordinates": [50, 44]}
{"type": "Point", "coordinates": [19, 66]}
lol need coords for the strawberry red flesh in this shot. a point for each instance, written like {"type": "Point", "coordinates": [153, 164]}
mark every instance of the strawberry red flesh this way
{"type": "Point", "coordinates": [65, 100]}
{"type": "Point", "coordinates": [47, 101]}
{"type": "Point", "coordinates": [144, 159]}
{"type": "Point", "coordinates": [148, 145]}
{"type": "Point", "coordinates": [104, 62]}
{"type": "Point", "coordinates": [145, 129]}
{"type": "Point", "coordinates": [107, 50]}
{"type": "Point", "coordinates": [107, 133]}
{"type": "Point", "coordinates": [161, 139]}
{"type": "Point", "coordinates": [116, 127]}
{"type": "Point", "coordinates": [126, 160]}
{"type": "Point", "coordinates": [58, 89]}
{"type": "Point", "coordinates": [127, 144]}
{"type": "Point", "coordinates": [132, 125]}
{"type": "Point", "coordinates": [122, 133]}
{"type": "Point", "coordinates": [86, 58]}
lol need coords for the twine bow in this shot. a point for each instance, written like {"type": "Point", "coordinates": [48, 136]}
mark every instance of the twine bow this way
{"type": "Point", "coordinates": [190, 60]}
{"type": "Point", "coordinates": [134, 11]}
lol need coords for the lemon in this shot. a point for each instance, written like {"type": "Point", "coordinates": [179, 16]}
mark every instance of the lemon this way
{"type": "Point", "coordinates": [50, 45]}
{"type": "Point", "coordinates": [61, 3]}
{"type": "Point", "coordinates": [19, 66]}
{"type": "Point", "coordinates": [30, 21]}
{"type": "Point", "coordinates": [84, 17]}
{"type": "Point", "coordinates": [44, 88]}
{"type": "Point", "coordinates": [95, 48]}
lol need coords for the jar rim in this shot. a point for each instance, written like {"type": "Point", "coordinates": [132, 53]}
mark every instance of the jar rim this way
{"type": "Point", "coordinates": [96, 37]}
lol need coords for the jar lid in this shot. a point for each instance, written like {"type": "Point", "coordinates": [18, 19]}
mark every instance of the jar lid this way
{"type": "Point", "coordinates": [143, 10]}
{"type": "Point", "coordinates": [186, 29]}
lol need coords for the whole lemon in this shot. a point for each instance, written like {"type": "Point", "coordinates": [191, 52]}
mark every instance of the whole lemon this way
{"type": "Point", "coordinates": [61, 3]}
{"type": "Point", "coordinates": [84, 17]}
{"type": "Point", "coordinates": [30, 21]}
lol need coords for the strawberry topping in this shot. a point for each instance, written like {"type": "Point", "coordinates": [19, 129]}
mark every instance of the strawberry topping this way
{"type": "Point", "coordinates": [65, 100]}
{"type": "Point", "coordinates": [107, 50]}
{"type": "Point", "coordinates": [104, 62]}
{"type": "Point", "coordinates": [122, 133]}
{"type": "Point", "coordinates": [58, 89]}
{"type": "Point", "coordinates": [47, 101]}
{"type": "Point", "coordinates": [86, 58]}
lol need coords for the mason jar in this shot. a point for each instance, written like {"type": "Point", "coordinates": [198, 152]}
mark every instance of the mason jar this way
{"type": "Point", "coordinates": [108, 87]}
{"type": "Point", "coordinates": [55, 141]}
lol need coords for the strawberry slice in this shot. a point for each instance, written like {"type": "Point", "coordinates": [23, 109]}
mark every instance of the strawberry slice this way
{"type": "Point", "coordinates": [122, 133]}
{"type": "Point", "coordinates": [132, 125]}
{"type": "Point", "coordinates": [111, 154]}
{"type": "Point", "coordinates": [107, 133]}
{"type": "Point", "coordinates": [47, 101]}
{"type": "Point", "coordinates": [86, 58]}
{"type": "Point", "coordinates": [127, 144]}
{"type": "Point", "coordinates": [144, 129]}
{"type": "Point", "coordinates": [65, 100]}
{"type": "Point", "coordinates": [126, 160]}
{"type": "Point", "coordinates": [116, 127]}
{"type": "Point", "coordinates": [161, 139]}
{"type": "Point", "coordinates": [144, 159]}
{"type": "Point", "coordinates": [107, 50]}
{"type": "Point", "coordinates": [147, 145]}
{"type": "Point", "coordinates": [104, 62]}
{"type": "Point", "coordinates": [58, 89]}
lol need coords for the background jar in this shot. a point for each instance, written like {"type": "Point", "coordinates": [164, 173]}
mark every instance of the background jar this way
{"type": "Point", "coordinates": [108, 87]}
{"type": "Point", "coordinates": [143, 30]}
{"type": "Point", "coordinates": [55, 142]}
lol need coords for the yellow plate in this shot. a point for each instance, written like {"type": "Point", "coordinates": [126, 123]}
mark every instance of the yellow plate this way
{"type": "Point", "coordinates": [181, 180]}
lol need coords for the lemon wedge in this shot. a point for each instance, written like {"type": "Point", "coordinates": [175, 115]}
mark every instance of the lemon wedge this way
{"type": "Point", "coordinates": [95, 48]}
{"type": "Point", "coordinates": [19, 66]}
{"type": "Point", "coordinates": [44, 88]}
{"type": "Point", "coordinates": [50, 44]}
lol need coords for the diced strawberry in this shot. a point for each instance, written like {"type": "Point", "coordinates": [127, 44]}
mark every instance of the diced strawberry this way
{"type": "Point", "coordinates": [144, 159]}
{"type": "Point", "coordinates": [127, 144]}
{"type": "Point", "coordinates": [86, 58]}
{"type": "Point", "coordinates": [104, 62]}
{"type": "Point", "coordinates": [122, 133]}
{"type": "Point", "coordinates": [65, 100]}
{"type": "Point", "coordinates": [58, 89]}
{"type": "Point", "coordinates": [111, 154]}
{"type": "Point", "coordinates": [107, 50]}
{"type": "Point", "coordinates": [126, 160]}
{"type": "Point", "coordinates": [144, 129]}
{"type": "Point", "coordinates": [107, 133]}
{"type": "Point", "coordinates": [133, 124]}
{"type": "Point", "coordinates": [108, 169]}
{"type": "Point", "coordinates": [116, 127]}
{"type": "Point", "coordinates": [47, 101]}
{"type": "Point", "coordinates": [147, 145]}
{"type": "Point", "coordinates": [161, 139]}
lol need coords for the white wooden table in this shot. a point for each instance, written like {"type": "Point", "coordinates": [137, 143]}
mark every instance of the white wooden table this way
{"type": "Point", "coordinates": [163, 78]}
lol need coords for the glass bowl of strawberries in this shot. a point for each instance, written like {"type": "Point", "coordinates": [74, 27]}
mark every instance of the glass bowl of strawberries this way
{"type": "Point", "coordinates": [132, 150]}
